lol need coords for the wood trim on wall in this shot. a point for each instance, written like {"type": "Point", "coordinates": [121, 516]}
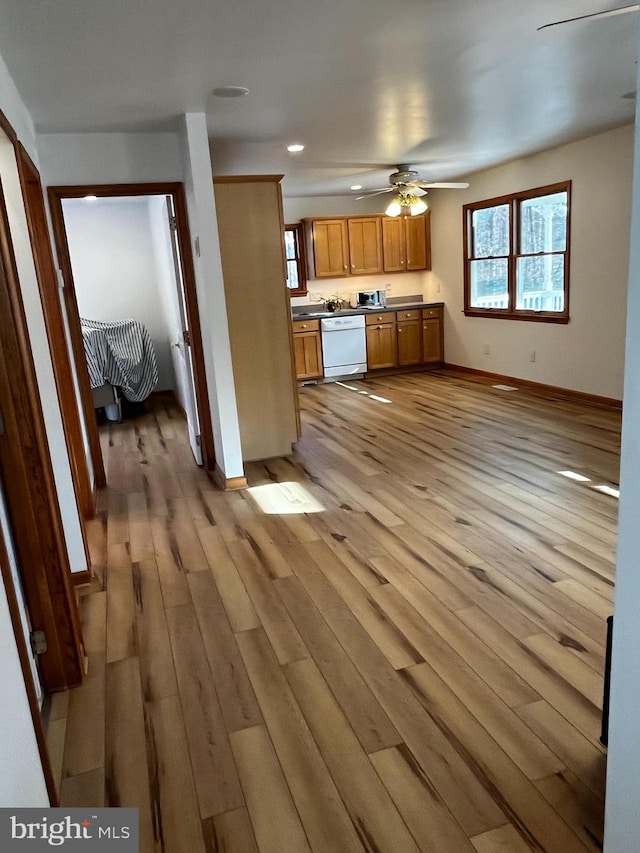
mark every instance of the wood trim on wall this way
{"type": "Point", "coordinates": [567, 393]}
{"type": "Point", "coordinates": [228, 483]}
{"type": "Point", "coordinates": [56, 334]}
{"type": "Point", "coordinates": [77, 345]}
{"type": "Point", "coordinates": [56, 195]}
{"type": "Point", "coordinates": [29, 488]}
{"type": "Point", "coordinates": [193, 316]}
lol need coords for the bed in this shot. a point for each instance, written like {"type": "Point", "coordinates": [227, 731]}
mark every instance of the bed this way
{"type": "Point", "coordinates": [121, 361]}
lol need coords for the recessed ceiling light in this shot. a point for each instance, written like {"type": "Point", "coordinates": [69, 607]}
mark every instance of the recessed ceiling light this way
{"type": "Point", "coordinates": [356, 187]}
{"type": "Point", "coordinates": [230, 91]}
{"type": "Point", "coordinates": [295, 148]}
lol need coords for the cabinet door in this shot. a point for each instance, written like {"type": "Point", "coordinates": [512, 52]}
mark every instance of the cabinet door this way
{"type": "Point", "coordinates": [409, 342]}
{"type": "Point", "coordinates": [330, 248]}
{"type": "Point", "coordinates": [365, 245]}
{"type": "Point", "coordinates": [418, 241]}
{"type": "Point", "coordinates": [394, 253]}
{"type": "Point", "coordinates": [308, 355]}
{"type": "Point", "coordinates": [432, 340]}
{"type": "Point", "coordinates": [381, 346]}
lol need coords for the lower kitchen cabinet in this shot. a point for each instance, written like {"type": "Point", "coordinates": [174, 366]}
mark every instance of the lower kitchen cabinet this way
{"type": "Point", "coordinates": [381, 341]}
{"type": "Point", "coordinates": [432, 336]}
{"type": "Point", "coordinates": [307, 349]}
{"type": "Point", "coordinates": [409, 337]}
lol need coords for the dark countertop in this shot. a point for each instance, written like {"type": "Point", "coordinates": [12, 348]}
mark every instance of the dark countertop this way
{"type": "Point", "coordinates": [305, 312]}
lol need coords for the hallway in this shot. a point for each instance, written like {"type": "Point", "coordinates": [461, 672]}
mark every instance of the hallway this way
{"type": "Point", "coordinates": [393, 641]}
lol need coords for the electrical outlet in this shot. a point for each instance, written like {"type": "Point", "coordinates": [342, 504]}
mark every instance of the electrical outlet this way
{"type": "Point", "coordinates": [532, 355]}
{"type": "Point", "coordinates": [486, 349]}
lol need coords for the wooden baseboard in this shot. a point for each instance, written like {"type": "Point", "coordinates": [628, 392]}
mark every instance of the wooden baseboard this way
{"type": "Point", "coordinates": [228, 484]}
{"type": "Point", "coordinates": [566, 393]}
{"type": "Point", "coordinates": [81, 578]}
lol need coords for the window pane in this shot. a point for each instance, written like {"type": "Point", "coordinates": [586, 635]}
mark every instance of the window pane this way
{"type": "Point", "coordinates": [290, 244]}
{"type": "Point", "coordinates": [489, 287]}
{"type": "Point", "coordinates": [490, 231]}
{"type": "Point", "coordinates": [540, 283]}
{"type": "Point", "coordinates": [543, 224]}
{"type": "Point", "coordinates": [292, 275]}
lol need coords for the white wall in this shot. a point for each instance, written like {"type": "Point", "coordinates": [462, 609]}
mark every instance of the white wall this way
{"type": "Point", "coordinates": [587, 354]}
{"type": "Point", "coordinates": [622, 818]}
{"type": "Point", "coordinates": [113, 259]}
{"type": "Point", "coordinates": [398, 284]}
{"type": "Point", "coordinates": [211, 299]}
{"type": "Point", "coordinates": [22, 779]}
{"type": "Point", "coordinates": [109, 158]}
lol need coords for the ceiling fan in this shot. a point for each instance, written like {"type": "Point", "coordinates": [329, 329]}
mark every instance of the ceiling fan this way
{"type": "Point", "coordinates": [621, 10]}
{"type": "Point", "coordinates": [407, 180]}
{"type": "Point", "coordinates": [406, 184]}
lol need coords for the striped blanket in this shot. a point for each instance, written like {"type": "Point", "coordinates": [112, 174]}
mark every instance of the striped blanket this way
{"type": "Point", "coordinates": [121, 354]}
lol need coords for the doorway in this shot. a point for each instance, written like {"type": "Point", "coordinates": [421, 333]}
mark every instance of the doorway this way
{"type": "Point", "coordinates": [181, 355]}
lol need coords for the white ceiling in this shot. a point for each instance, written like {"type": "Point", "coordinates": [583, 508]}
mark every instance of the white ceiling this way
{"type": "Point", "coordinates": [450, 86]}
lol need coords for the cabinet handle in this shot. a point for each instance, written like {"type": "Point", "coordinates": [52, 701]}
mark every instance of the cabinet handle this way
{"type": "Point", "coordinates": [304, 325]}
{"type": "Point", "coordinates": [345, 266]}
{"type": "Point", "coordinates": [407, 314]}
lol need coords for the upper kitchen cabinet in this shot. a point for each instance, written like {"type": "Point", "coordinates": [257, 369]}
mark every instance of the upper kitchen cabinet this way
{"type": "Point", "coordinates": [249, 213]}
{"type": "Point", "coordinates": [328, 248]}
{"type": "Point", "coordinates": [406, 243]}
{"type": "Point", "coordinates": [365, 245]}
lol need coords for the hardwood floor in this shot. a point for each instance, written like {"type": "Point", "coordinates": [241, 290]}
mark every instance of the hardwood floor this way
{"type": "Point", "coordinates": [393, 641]}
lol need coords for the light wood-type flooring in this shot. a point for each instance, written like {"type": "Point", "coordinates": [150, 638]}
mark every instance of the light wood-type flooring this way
{"type": "Point", "coordinates": [392, 642]}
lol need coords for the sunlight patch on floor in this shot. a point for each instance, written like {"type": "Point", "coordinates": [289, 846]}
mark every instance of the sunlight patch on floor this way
{"type": "Point", "coordinates": [284, 499]}
{"type": "Point", "coordinates": [608, 490]}
{"type": "Point", "coordinates": [571, 475]}
{"type": "Point", "coordinates": [366, 393]}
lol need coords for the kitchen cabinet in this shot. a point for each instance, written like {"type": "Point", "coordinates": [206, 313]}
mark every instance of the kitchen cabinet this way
{"type": "Point", "coordinates": [418, 242]}
{"type": "Point", "coordinates": [365, 245]}
{"type": "Point", "coordinates": [342, 246]}
{"type": "Point", "coordinates": [409, 332]}
{"type": "Point", "coordinates": [406, 243]}
{"type": "Point", "coordinates": [249, 216]}
{"type": "Point", "coordinates": [432, 336]}
{"type": "Point", "coordinates": [307, 349]}
{"type": "Point", "coordinates": [329, 248]}
{"type": "Point", "coordinates": [381, 340]}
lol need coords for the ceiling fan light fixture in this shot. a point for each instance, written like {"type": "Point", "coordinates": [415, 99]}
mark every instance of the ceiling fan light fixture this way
{"type": "Point", "coordinates": [418, 206]}
{"type": "Point", "coordinates": [395, 208]}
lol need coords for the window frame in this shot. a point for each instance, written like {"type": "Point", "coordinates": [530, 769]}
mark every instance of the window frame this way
{"type": "Point", "coordinates": [300, 259]}
{"type": "Point", "coordinates": [514, 201]}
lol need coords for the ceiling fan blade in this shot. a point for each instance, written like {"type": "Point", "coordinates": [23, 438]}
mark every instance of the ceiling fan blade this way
{"type": "Point", "coordinates": [375, 192]}
{"type": "Point", "coordinates": [445, 185]}
{"type": "Point", "coordinates": [622, 10]}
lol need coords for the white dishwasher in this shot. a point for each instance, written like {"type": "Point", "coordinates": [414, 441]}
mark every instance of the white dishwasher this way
{"type": "Point", "coordinates": [344, 345]}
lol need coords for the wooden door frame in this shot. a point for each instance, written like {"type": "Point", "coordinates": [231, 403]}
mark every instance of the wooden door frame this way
{"type": "Point", "coordinates": [54, 321]}
{"type": "Point", "coordinates": [29, 488]}
{"type": "Point", "coordinates": [56, 195]}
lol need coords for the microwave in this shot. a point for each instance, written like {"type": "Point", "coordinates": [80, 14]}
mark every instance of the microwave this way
{"type": "Point", "coordinates": [369, 299]}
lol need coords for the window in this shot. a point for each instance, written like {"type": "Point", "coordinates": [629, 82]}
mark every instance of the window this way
{"type": "Point", "coordinates": [294, 255]}
{"type": "Point", "coordinates": [516, 262]}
